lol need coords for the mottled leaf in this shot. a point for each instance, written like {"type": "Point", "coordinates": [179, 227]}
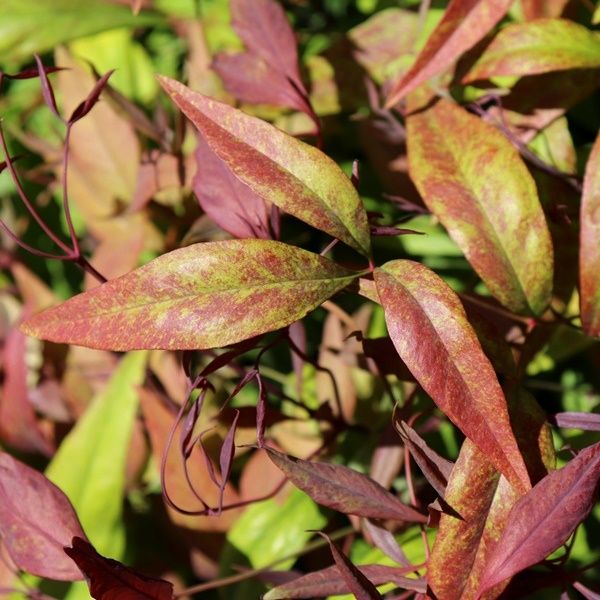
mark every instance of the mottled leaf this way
{"type": "Point", "coordinates": [343, 489]}
{"type": "Point", "coordinates": [356, 581]}
{"type": "Point", "coordinates": [465, 23]}
{"type": "Point", "coordinates": [545, 517]}
{"type": "Point", "coordinates": [298, 178]}
{"type": "Point", "coordinates": [537, 47]}
{"type": "Point", "coordinates": [430, 331]}
{"type": "Point", "coordinates": [90, 463]}
{"type": "Point", "coordinates": [110, 580]}
{"type": "Point", "coordinates": [474, 181]}
{"type": "Point", "coordinates": [36, 521]}
{"type": "Point", "coordinates": [202, 296]}
{"type": "Point", "coordinates": [589, 245]}
{"type": "Point", "coordinates": [230, 203]}
{"type": "Point", "coordinates": [329, 582]}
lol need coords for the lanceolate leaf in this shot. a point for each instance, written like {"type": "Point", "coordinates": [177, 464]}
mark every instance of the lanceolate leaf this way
{"type": "Point", "coordinates": [298, 178]}
{"type": "Point", "coordinates": [538, 47]}
{"type": "Point", "coordinates": [203, 296]}
{"type": "Point", "coordinates": [589, 249]}
{"type": "Point", "coordinates": [463, 25]}
{"type": "Point", "coordinates": [343, 489]}
{"type": "Point", "coordinates": [544, 518]}
{"type": "Point", "coordinates": [36, 521]}
{"type": "Point", "coordinates": [328, 582]}
{"type": "Point", "coordinates": [430, 331]}
{"type": "Point", "coordinates": [474, 181]}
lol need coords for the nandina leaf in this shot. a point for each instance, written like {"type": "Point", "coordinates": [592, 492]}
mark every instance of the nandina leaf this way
{"type": "Point", "coordinates": [465, 23]}
{"type": "Point", "coordinates": [202, 296]}
{"type": "Point", "coordinates": [537, 47]}
{"type": "Point", "coordinates": [538, 9]}
{"type": "Point", "coordinates": [90, 463]}
{"type": "Point", "coordinates": [36, 521]}
{"type": "Point", "coordinates": [577, 420]}
{"type": "Point", "coordinates": [298, 178]}
{"type": "Point", "coordinates": [589, 245]}
{"type": "Point", "coordinates": [357, 582]}
{"type": "Point", "coordinates": [430, 331]}
{"type": "Point", "coordinates": [329, 582]}
{"type": "Point", "coordinates": [266, 32]}
{"type": "Point", "coordinates": [110, 580]}
{"type": "Point", "coordinates": [473, 180]}
{"type": "Point", "coordinates": [436, 469]}
{"type": "Point", "coordinates": [343, 489]}
{"type": "Point", "coordinates": [384, 539]}
{"type": "Point", "coordinates": [544, 518]}
{"type": "Point", "coordinates": [230, 203]}
{"type": "Point", "coordinates": [482, 500]}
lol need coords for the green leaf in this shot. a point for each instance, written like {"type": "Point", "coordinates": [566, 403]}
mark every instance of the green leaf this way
{"type": "Point", "coordinates": [432, 335]}
{"type": "Point", "coordinates": [203, 296]}
{"type": "Point", "coordinates": [90, 463]}
{"type": "Point", "coordinates": [475, 182]}
{"type": "Point", "coordinates": [589, 248]}
{"type": "Point", "coordinates": [30, 26]}
{"type": "Point", "coordinates": [538, 47]}
{"type": "Point", "coordinates": [294, 176]}
{"type": "Point", "coordinates": [269, 530]}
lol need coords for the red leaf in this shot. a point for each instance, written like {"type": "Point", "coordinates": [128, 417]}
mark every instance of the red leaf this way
{"type": "Point", "coordinates": [589, 248]}
{"type": "Point", "coordinates": [110, 580]}
{"type": "Point", "coordinates": [329, 581]}
{"type": "Point", "coordinates": [430, 331]}
{"type": "Point", "coordinates": [47, 90]}
{"type": "Point", "coordinates": [465, 23]}
{"type": "Point", "coordinates": [358, 584]}
{"type": "Point", "coordinates": [343, 489]}
{"type": "Point", "coordinates": [544, 518]}
{"type": "Point", "coordinates": [231, 204]}
{"type": "Point", "coordinates": [36, 521]}
{"type": "Point", "coordinates": [84, 107]}
{"type": "Point", "coordinates": [265, 31]}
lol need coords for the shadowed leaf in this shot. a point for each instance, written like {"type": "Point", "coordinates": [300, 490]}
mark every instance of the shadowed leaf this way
{"type": "Point", "coordinates": [294, 176]}
{"type": "Point", "coordinates": [36, 521]}
{"type": "Point", "coordinates": [329, 581]}
{"type": "Point", "coordinates": [473, 180]}
{"type": "Point", "coordinates": [203, 296]}
{"type": "Point", "coordinates": [343, 489]}
{"type": "Point", "coordinates": [589, 245]}
{"type": "Point", "coordinates": [537, 47]}
{"type": "Point", "coordinates": [544, 519]}
{"type": "Point", "coordinates": [110, 580]}
{"type": "Point", "coordinates": [230, 203]}
{"type": "Point", "coordinates": [538, 9]}
{"type": "Point", "coordinates": [465, 23]}
{"type": "Point", "coordinates": [430, 331]}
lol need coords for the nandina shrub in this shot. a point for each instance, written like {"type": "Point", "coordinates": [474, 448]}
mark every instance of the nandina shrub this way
{"type": "Point", "coordinates": [335, 333]}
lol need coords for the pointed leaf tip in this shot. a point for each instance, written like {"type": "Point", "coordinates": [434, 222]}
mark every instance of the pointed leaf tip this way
{"type": "Point", "coordinates": [296, 177]}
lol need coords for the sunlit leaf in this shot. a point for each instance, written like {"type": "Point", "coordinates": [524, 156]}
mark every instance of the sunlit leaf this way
{"type": "Point", "coordinates": [465, 22]}
{"type": "Point", "coordinates": [430, 331]}
{"type": "Point", "coordinates": [589, 249]}
{"type": "Point", "coordinates": [202, 296]}
{"type": "Point", "coordinates": [473, 180]}
{"type": "Point", "coordinates": [544, 518]}
{"type": "Point", "coordinates": [343, 489]}
{"type": "Point", "coordinates": [538, 47]}
{"type": "Point", "coordinates": [298, 178]}
{"type": "Point", "coordinates": [90, 464]}
{"type": "Point", "coordinates": [36, 521]}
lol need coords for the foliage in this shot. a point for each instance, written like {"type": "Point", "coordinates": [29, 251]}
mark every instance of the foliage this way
{"type": "Point", "coordinates": [313, 312]}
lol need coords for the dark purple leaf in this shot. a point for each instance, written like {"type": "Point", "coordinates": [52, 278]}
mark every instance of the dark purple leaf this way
{"type": "Point", "coordinates": [384, 539]}
{"type": "Point", "coordinates": [31, 73]}
{"type": "Point", "coordinates": [356, 581]}
{"type": "Point", "coordinates": [435, 468]}
{"type": "Point", "coordinates": [84, 107]}
{"type": "Point", "coordinates": [110, 580]}
{"type": "Point", "coordinates": [545, 517]}
{"type": "Point", "coordinates": [47, 90]}
{"type": "Point", "coordinates": [230, 203]}
{"type": "Point", "coordinates": [329, 581]}
{"type": "Point", "coordinates": [36, 521]}
{"type": "Point", "coordinates": [343, 489]}
{"type": "Point", "coordinates": [227, 455]}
